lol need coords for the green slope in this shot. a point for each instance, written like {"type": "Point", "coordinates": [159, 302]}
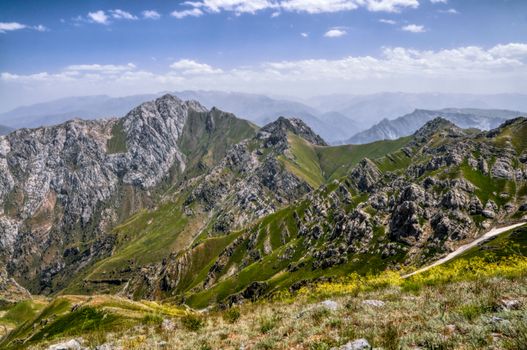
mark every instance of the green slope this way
{"type": "Point", "coordinates": [321, 164]}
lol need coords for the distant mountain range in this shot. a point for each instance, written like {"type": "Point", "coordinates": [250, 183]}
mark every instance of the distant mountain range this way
{"type": "Point", "coordinates": [370, 109]}
{"type": "Point", "coordinates": [259, 109]}
{"type": "Point", "coordinates": [483, 119]}
{"type": "Point", "coordinates": [334, 117]}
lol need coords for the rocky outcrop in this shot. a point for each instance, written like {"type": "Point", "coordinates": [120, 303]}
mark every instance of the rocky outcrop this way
{"type": "Point", "coordinates": [366, 175]}
{"type": "Point", "coordinates": [276, 132]}
{"type": "Point", "coordinates": [10, 290]}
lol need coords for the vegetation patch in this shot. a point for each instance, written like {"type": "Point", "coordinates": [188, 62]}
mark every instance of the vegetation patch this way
{"type": "Point", "coordinates": [117, 142]}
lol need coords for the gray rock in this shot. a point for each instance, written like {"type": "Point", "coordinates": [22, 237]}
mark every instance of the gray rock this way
{"type": "Point", "coordinates": [330, 305]}
{"type": "Point", "coordinates": [105, 347]}
{"type": "Point", "coordinates": [366, 175]}
{"type": "Point", "coordinates": [359, 344]}
{"type": "Point", "coordinates": [71, 344]}
{"type": "Point", "coordinates": [511, 304]}
{"type": "Point", "coordinates": [374, 303]}
{"type": "Point", "coordinates": [455, 199]}
{"type": "Point", "coordinates": [503, 169]}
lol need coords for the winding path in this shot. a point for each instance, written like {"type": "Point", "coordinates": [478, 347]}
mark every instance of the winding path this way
{"type": "Point", "coordinates": [492, 233]}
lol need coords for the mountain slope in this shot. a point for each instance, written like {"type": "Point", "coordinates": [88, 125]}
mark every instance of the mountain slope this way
{"type": "Point", "coordinates": [62, 188]}
{"type": "Point", "coordinates": [258, 176]}
{"type": "Point", "coordinates": [409, 123]}
{"type": "Point", "coordinates": [405, 208]}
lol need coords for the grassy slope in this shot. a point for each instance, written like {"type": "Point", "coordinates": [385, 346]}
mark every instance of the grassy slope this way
{"type": "Point", "coordinates": [207, 146]}
{"type": "Point", "coordinates": [450, 306]}
{"type": "Point", "coordinates": [91, 317]}
{"type": "Point", "coordinates": [337, 161]}
{"type": "Point", "coordinates": [318, 165]}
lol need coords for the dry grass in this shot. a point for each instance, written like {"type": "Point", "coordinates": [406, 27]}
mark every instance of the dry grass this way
{"type": "Point", "coordinates": [449, 316]}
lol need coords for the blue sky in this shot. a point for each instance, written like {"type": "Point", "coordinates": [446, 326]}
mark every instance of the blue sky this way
{"type": "Point", "coordinates": [51, 49]}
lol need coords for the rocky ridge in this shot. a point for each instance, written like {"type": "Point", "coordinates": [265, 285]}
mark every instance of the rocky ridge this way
{"type": "Point", "coordinates": [65, 185]}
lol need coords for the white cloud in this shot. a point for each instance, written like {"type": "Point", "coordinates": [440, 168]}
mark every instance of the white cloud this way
{"type": "Point", "coordinates": [40, 28]}
{"type": "Point", "coordinates": [98, 17]}
{"type": "Point", "coordinates": [188, 67]}
{"type": "Point", "coordinates": [439, 1]}
{"type": "Point", "coordinates": [318, 6]}
{"type": "Point", "coordinates": [308, 6]}
{"type": "Point", "coordinates": [388, 21]}
{"type": "Point", "coordinates": [450, 11]}
{"type": "Point", "coordinates": [238, 6]}
{"type": "Point", "coordinates": [414, 28]}
{"type": "Point", "coordinates": [275, 14]}
{"type": "Point", "coordinates": [120, 14]}
{"type": "Point", "coordinates": [187, 13]}
{"type": "Point", "coordinates": [305, 35]}
{"type": "Point", "coordinates": [390, 5]}
{"type": "Point", "coordinates": [335, 33]}
{"type": "Point", "coordinates": [512, 50]}
{"type": "Point", "coordinates": [105, 68]}
{"type": "Point", "coordinates": [151, 14]}
{"type": "Point", "coordinates": [9, 26]}
{"type": "Point", "coordinates": [470, 69]}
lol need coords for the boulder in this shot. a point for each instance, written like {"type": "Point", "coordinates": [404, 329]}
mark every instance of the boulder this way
{"type": "Point", "coordinates": [72, 344]}
{"type": "Point", "coordinates": [359, 344]}
{"type": "Point", "coordinates": [330, 305]}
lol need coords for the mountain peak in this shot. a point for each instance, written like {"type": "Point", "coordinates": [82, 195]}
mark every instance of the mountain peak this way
{"type": "Point", "coordinates": [436, 125]}
{"type": "Point", "coordinates": [280, 127]}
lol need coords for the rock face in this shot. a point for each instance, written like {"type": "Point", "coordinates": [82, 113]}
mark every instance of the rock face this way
{"type": "Point", "coordinates": [64, 185]}
{"type": "Point", "coordinates": [248, 184]}
{"type": "Point", "coordinates": [10, 290]}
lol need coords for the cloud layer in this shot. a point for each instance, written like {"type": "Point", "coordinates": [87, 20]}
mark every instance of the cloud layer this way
{"type": "Point", "coordinates": [307, 6]}
{"type": "Point", "coordinates": [502, 68]}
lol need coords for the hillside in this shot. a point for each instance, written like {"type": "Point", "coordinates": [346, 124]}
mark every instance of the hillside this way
{"type": "Point", "coordinates": [477, 300]}
{"type": "Point", "coordinates": [416, 199]}
{"type": "Point", "coordinates": [63, 187]}
{"type": "Point", "coordinates": [189, 207]}
{"type": "Point", "coordinates": [406, 125]}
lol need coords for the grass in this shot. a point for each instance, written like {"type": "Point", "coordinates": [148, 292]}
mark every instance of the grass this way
{"type": "Point", "coordinates": [336, 161]}
{"type": "Point", "coordinates": [192, 322]}
{"type": "Point", "coordinates": [321, 164]}
{"type": "Point", "coordinates": [22, 311]}
{"type": "Point", "coordinates": [117, 142]}
{"type": "Point", "coordinates": [455, 313]}
{"type": "Point", "coordinates": [90, 317]}
{"type": "Point", "coordinates": [487, 187]}
{"type": "Point", "coordinates": [448, 306]}
{"type": "Point", "coordinates": [304, 163]}
{"type": "Point", "coordinates": [206, 137]}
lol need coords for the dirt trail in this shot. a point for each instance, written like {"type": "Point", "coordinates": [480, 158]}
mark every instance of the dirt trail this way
{"type": "Point", "coordinates": [463, 248]}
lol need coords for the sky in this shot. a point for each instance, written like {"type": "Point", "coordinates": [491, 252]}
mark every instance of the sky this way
{"type": "Point", "coordinates": [59, 48]}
